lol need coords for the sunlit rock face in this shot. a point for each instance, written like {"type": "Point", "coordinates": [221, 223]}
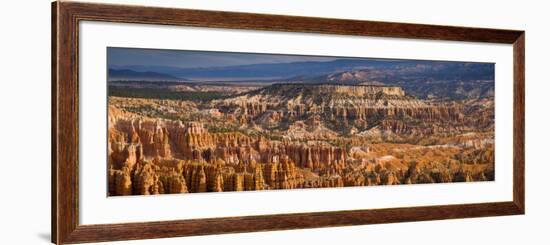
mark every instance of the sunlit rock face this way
{"type": "Point", "coordinates": [288, 136]}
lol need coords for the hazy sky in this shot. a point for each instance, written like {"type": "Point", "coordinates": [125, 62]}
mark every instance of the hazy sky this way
{"type": "Point", "coordinates": [192, 59]}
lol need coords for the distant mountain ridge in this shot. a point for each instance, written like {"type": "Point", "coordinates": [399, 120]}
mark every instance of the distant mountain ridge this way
{"type": "Point", "coordinates": [131, 75]}
{"type": "Point", "coordinates": [257, 70]}
{"type": "Point", "coordinates": [422, 79]}
{"type": "Point", "coordinates": [312, 69]}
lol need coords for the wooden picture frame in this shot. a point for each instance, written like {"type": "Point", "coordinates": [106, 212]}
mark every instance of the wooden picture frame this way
{"type": "Point", "coordinates": [65, 120]}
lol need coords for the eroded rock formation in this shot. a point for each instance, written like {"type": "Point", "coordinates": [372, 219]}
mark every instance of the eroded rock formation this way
{"type": "Point", "coordinates": [297, 136]}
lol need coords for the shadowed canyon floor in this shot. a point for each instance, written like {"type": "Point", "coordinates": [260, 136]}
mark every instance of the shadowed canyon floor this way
{"type": "Point", "coordinates": [285, 136]}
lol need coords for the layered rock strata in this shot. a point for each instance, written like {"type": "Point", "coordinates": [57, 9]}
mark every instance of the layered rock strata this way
{"type": "Point", "coordinates": [290, 136]}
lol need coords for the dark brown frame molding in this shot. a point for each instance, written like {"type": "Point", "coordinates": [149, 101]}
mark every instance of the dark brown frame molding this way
{"type": "Point", "coordinates": [65, 140]}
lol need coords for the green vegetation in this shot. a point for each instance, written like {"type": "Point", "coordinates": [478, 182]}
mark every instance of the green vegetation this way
{"type": "Point", "coordinates": [152, 93]}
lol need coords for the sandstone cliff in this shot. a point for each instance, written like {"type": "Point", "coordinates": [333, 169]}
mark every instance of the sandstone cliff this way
{"type": "Point", "coordinates": [290, 136]}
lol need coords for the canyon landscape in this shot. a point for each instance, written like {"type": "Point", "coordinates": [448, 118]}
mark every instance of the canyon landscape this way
{"type": "Point", "coordinates": [199, 121]}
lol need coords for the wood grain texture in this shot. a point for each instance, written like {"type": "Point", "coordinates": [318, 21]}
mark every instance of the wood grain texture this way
{"type": "Point", "coordinates": [196, 227]}
{"type": "Point", "coordinates": [234, 20]}
{"type": "Point", "coordinates": [519, 122]}
{"type": "Point", "coordinates": [54, 123]}
{"type": "Point", "coordinates": [65, 221]}
{"type": "Point", "coordinates": [65, 150]}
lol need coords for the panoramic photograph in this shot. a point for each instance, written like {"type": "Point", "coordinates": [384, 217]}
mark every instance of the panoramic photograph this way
{"type": "Point", "coordinates": [184, 121]}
